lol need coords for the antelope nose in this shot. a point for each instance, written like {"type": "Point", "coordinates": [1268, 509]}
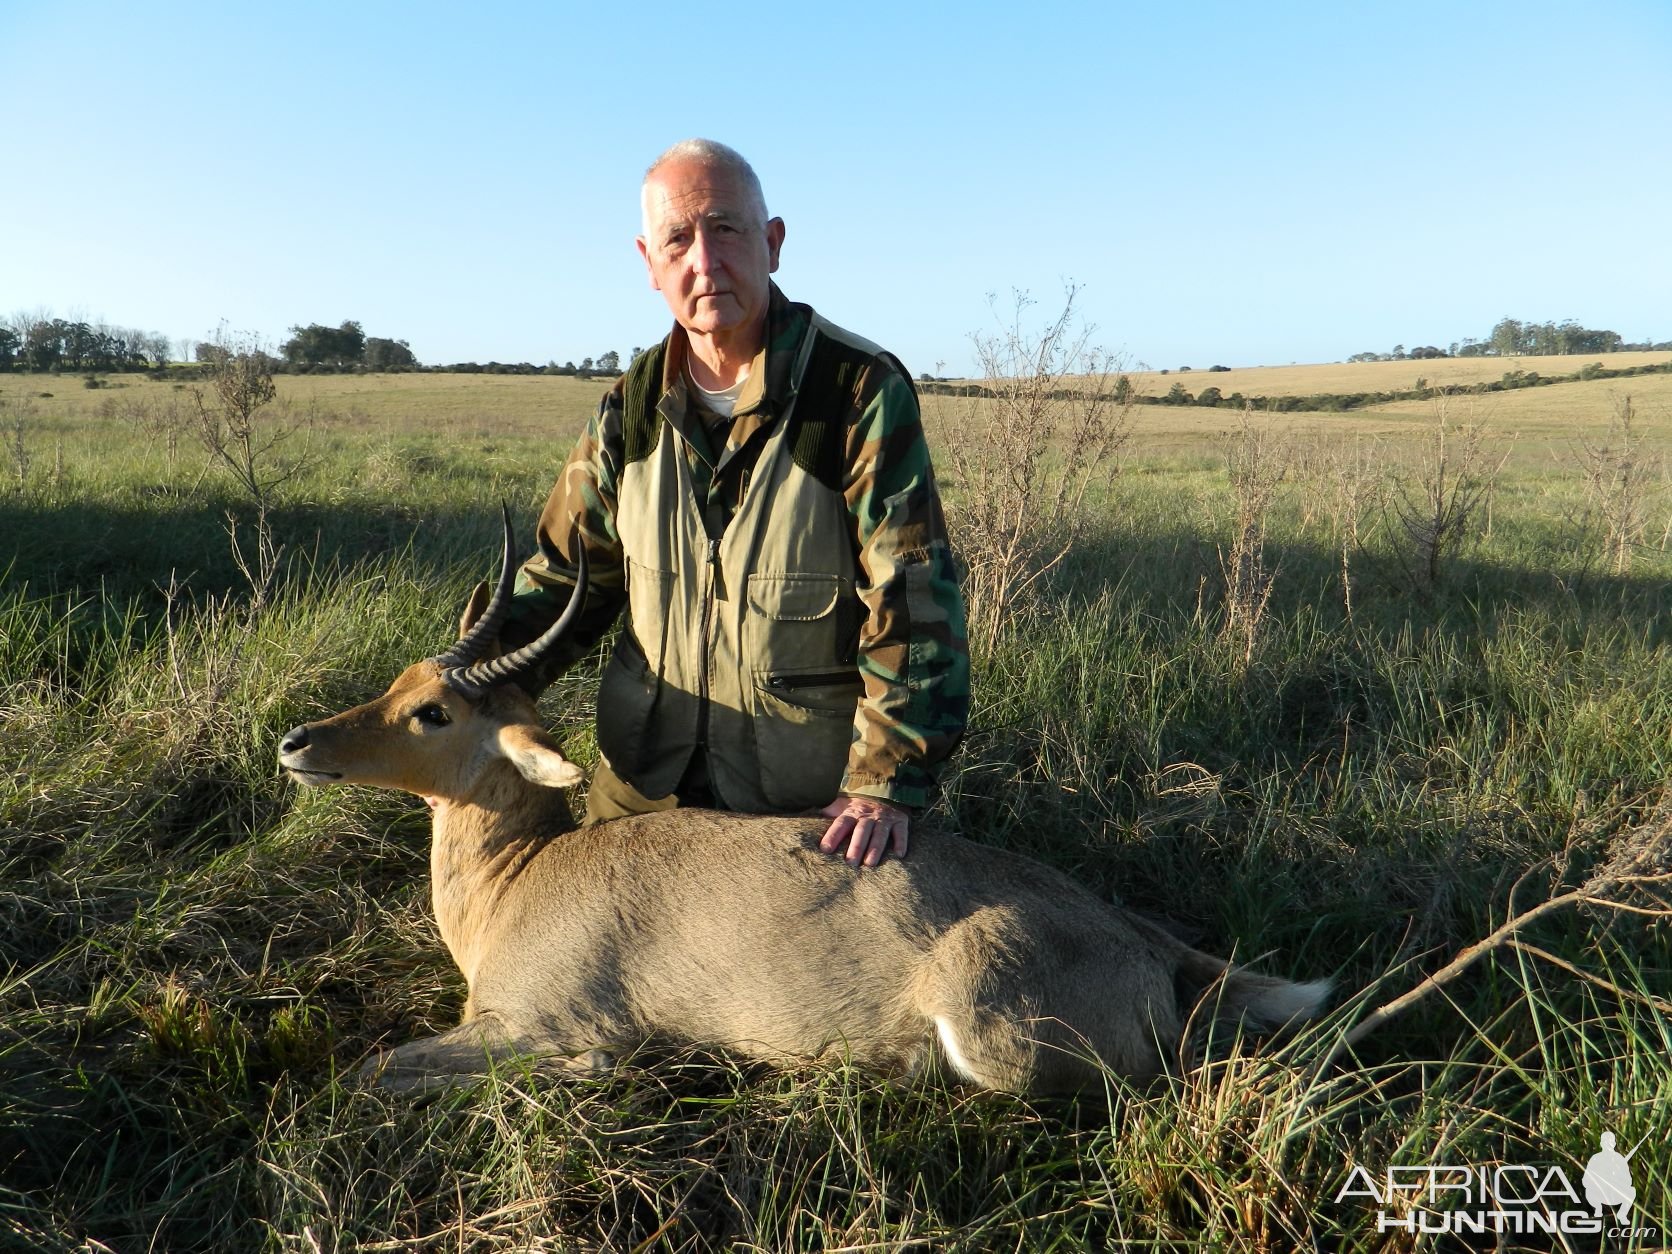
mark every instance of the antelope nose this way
{"type": "Point", "coordinates": [294, 739]}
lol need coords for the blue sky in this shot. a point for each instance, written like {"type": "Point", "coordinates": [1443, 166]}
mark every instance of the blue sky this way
{"type": "Point", "coordinates": [1229, 183]}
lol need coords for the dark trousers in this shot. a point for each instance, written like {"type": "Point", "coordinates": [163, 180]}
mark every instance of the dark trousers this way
{"type": "Point", "coordinates": [611, 797]}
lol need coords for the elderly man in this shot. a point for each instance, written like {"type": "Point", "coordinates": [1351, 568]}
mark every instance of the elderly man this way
{"type": "Point", "coordinates": [756, 491]}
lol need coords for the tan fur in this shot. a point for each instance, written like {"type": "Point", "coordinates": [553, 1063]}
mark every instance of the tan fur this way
{"type": "Point", "coordinates": [734, 930]}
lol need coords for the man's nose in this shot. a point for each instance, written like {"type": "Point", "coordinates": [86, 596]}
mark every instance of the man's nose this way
{"type": "Point", "coordinates": [702, 255]}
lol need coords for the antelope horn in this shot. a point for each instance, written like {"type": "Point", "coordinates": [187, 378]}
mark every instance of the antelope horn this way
{"type": "Point", "coordinates": [470, 646]}
{"type": "Point", "coordinates": [481, 675]}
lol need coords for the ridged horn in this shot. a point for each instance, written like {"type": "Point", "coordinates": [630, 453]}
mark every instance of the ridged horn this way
{"type": "Point", "coordinates": [470, 646]}
{"type": "Point", "coordinates": [490, 673]}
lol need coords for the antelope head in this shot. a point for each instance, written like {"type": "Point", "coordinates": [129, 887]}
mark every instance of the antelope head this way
{"type": "Point", "coordinates": [448, 718]}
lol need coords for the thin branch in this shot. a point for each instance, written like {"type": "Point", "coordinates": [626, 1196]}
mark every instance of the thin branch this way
{"type": "Point", "coordinates": [1501, 937]}
{"type": "Point", "coordinates": [1664, 1007]}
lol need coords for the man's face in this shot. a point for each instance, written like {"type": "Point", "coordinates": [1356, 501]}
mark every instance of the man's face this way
{"type": "Point", "coordinates": [706, 249]}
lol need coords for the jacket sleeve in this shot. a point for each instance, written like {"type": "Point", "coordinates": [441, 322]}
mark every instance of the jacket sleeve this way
{"type": "Point", "coordinates": [913, 654]}
{"type": "Point", "coordinates": [580, 510]}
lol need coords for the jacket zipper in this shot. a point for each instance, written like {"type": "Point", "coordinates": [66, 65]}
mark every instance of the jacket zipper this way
{"type": "Point", "coordinates": [703, 643]}
{"type": "Point", "coordinates": [785, 683]}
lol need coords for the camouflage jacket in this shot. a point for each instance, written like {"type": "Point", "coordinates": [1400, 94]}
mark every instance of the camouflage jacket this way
{"type": "Point", "coordinates": [855, 425]}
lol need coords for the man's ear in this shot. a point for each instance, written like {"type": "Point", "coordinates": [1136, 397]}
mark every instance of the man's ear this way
{"type": "Point", "coordinates": [536, 757]}
{"type": "Point", "coordinates": [650, 270]}
{"type": "Point", "coordinates": [774, 242]}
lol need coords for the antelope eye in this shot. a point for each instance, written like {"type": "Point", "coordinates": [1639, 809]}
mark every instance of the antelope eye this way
{"type": "Point", "coordinates": [432, 714]}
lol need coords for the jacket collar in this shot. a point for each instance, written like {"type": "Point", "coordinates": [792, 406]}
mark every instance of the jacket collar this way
{"type": "Point", "coordinates": [766, 392]}
{"type": "Point", "coordinates": [768, 383]}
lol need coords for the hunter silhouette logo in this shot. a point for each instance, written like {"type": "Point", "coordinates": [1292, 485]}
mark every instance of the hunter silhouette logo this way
{"type": "Point", "coordinates": [1518, 1198]}
{"type": "Point", "coordinates": [1607, 1179]}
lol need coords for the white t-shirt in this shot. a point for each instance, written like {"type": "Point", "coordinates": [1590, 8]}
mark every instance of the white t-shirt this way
{"type": "Point", "coordinates": [722, 402]}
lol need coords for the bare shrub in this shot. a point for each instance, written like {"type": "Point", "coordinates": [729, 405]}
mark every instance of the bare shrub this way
{"type": "Point", "coordinates": [1257, 464]}
{"type": "Point", "coordinates": [160, 419]}
{"type": "Point", "coordinates": [16, 417]}
{"type": "Point", "coordinates": [1050, 430]}
{"type": "Point", "coordinates": [249, 435]}
{"type": "Point", "coordinates": [1437, 506]}
{"type": "Point", "coordinates": [1358, 483]}
{"type": "Point", "coordinates": [1618, 472]}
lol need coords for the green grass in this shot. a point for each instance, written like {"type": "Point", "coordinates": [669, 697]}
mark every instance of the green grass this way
{"type": "Point", "coordinates": [197, 955]}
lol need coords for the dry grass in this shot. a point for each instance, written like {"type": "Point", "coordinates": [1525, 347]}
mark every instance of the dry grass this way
{"type": "Point", "coordinates": [496, 407]}
{"type": "Point", "coordinates": [1257, 464]}
{"type": "Point", "coordinates": [468, 405]}
{"type": "Point", "coordinates": [1562, 407]}
{"type": "Point", "coordinates": [1378, 376]}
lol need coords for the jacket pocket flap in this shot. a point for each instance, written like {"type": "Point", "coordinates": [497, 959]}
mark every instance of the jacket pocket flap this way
{"type": "Point", "coordinates": [796, 598]}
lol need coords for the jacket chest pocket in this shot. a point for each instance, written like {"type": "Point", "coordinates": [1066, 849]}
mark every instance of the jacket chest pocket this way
{"type": "Point", "coordinates": [800, 622]}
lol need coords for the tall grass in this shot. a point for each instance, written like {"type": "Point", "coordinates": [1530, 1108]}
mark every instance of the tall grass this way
{"type": "Point", "coordinates": [195, 955]}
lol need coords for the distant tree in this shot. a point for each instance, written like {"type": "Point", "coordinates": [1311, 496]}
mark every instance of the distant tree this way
{"type": "Point", "coordinates": [382, 354]}
{"type": "Point", "coordinates": [610, 363]}
{"type": "Point", "coordinates": [78, 343]}
{"type": "Point", "coordinates": [318, 345]}
{"type": "Point", "coordinates": [1176, 395]}
{"type": "Point", "coordinates": [211, 352]}
{"type": "Point", "coordinates": [10, 344]}
{"type": "Point", "coordinates": [634, 355]}
{"type": "Point", "coordinates": [1209, 396]}
{"type": "Point", "coordinates": [43, 344]}
{"type": "Point", "coordinates": [1511, 337]}
{"type": "Point", "coordinates": [1364, 357]}
{"type": "Point", "coordinates": [1506, 338]}
{"type": "Point", "coordinates": [1578, 339]}
{"type": "Point", "coordinates": [1399, 352]}
{"type": "Point", "coordinates": [586, 365]}
{"type": "Point", "coordinates": [352, 341]}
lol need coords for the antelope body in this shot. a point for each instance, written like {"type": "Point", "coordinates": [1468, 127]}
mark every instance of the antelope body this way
{"type": "Point", "coordinates": [735, 930]}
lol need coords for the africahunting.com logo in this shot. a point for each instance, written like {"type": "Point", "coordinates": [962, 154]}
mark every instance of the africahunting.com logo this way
{"type": "Point", "coordinates": [1507, 1198]}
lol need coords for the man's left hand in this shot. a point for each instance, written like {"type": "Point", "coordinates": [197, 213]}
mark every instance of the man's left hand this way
{"type": "Point", "coordinates": [867, 827]}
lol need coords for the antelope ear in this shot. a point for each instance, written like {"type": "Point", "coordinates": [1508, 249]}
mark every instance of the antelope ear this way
{"type": "Point", "coordinates": [474, 607]}
{"type": "Point", "coordinates": [532, 752]}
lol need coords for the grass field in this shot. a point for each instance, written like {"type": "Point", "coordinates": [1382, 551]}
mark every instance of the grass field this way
{"type": "Point", "coordinates": [1378, 376]}
{"type": "Point", "coordinates": [491, 407]}
{"type": "Point", "coordinates": [197, 955]}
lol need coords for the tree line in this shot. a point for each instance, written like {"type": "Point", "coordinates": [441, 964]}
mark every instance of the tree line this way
{"type": "Point", "coordinates": [42, 343]}
{"type": "Point", "coordinates": [1511, 337]}
{"type": "Point", "coordinates": [316, 347]}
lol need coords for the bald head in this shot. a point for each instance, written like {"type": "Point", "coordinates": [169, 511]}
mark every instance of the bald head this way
{"type": "Point", "coordinates": [714, 156]}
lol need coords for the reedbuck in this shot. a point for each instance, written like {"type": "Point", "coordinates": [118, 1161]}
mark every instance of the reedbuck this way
{"type": "Point", "coordinates": [735, 930]}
